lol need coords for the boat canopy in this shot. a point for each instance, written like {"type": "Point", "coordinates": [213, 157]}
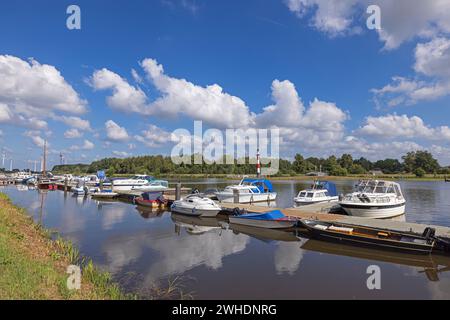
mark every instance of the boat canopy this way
{"type": "Point", "coordinates": [378, 186]}
{"type": "Point", "coordinates": [272, 215]}
{"type": "Point", "coordinates": [327, 185]}
{"type": "Point", "coordinates": [263, 185]}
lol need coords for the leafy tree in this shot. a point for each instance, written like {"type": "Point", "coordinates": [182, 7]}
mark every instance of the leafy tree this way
{"type": "Point", "coordinates": [346, 161]}
{"type": "Point", "coordinates": [419, 172]}
{"type": "Point", "coordinates": [389, 166]}
{"type": "Point", "coordinates": [420, 159]}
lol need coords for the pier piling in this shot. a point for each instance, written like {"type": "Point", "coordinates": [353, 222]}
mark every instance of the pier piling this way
{"type": "Point", "coordinates": [236, 196]}
{"type": "Point", "coordinates": [178, 191]}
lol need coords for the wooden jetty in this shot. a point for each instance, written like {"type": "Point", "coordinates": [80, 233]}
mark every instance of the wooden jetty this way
{"type": "Point", "coordinates": [323, 212]}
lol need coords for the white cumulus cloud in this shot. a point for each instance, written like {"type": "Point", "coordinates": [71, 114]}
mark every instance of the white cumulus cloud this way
{"type": "Point", "coordinates": [116, 133]}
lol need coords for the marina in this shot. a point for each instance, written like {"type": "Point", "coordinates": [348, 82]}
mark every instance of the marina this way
{"type": "Point", "coordinates": [109, 228]}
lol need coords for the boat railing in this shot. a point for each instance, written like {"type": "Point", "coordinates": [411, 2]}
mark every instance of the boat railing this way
{"type": "Point", "coordinates": [364, 198]}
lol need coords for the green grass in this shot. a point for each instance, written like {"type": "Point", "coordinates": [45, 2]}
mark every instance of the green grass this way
{"type": "Point", "coordinates": [33, 262]}
{"type": "Point", "coordinates": [32, 266]}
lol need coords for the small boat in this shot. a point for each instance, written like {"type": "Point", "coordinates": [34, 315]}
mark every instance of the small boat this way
{"type": "Point", "coordinates": [79, 191]}
{"type": "Point", "coordinates": [153, 185]}
{"type": "Point", "coordinates": [377, 199]}
{"type": "Point", "coordinates": [105, 194]}
{"type": "Point", "coordinates": [248, 191]}
{"type": "Point", "coordinates": [374, 237]}
{"type": "Point", "coordinates": [196, 205]}
{"type": "Point", "coordinates": [151, 199]}
{"type": "Point", "coordinates": [319, 192]}
{"type": "Point", "coordinates": [139, 182]}
{"type": "Point", "coordinates": [272, 220]}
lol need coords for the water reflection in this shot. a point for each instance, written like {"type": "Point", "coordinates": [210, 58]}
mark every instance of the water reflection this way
{"type": "Point", "coordinates": [429, 265]}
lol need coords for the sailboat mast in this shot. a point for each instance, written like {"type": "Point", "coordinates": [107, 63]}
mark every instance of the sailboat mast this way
{"type": "Point", "coordinates": [44, 165]}
{"type": "Point", "coordinates": [258, 165]}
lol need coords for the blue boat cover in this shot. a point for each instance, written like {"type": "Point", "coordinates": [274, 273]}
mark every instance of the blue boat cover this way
{"type": "Point", "coordinates": [331, 187]}
{"type": "Point", "coordinates": [261, 184]}
{"type": "Point", "coordinates": [272, 215]}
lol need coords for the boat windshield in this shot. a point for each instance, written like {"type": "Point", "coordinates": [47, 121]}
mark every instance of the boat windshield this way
{"type": "Point", "coordinates": [375, 186]}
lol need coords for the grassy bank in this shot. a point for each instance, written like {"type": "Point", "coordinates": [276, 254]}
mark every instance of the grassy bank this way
{"type": "Point", "coordinates": [33, 266]}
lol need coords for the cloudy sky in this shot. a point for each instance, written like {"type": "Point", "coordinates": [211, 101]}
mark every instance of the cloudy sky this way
{"type": "Point", "coordinates": [138, 70]}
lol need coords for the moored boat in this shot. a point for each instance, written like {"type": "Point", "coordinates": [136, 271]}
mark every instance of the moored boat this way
{"type": "Point", "coordinates": [272, 220]}
{"type": "Point", "coordinates": [151, 199]}
{"type": "Point", "coordinates": [248, 191]}
{"type": "Point", "coordinates": [79, 191]}
{"type": "Point", "coordinates": [319, 192]}
{"type": "Point", "coordinates": [377, 199]}
{"type": "Point", "coordinates": [375, 237]}
{"type": "Point", "coordinates": [106, 194]}
{"type": "Point", "coordinates": [196, 205]}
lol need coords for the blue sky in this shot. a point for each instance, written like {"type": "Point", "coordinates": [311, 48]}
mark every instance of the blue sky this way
{"type": "Point", "coordinates": [329, 81]}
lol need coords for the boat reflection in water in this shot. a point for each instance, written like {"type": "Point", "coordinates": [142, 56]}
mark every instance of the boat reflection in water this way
{"type": "Point", "coordinates": [431, 265]}
{"type": "Point", "coordinates": [148, 212]}
{"type": "Point", "coordinates": [263, 234]}
{"type": "Point", "coordinates": [197, 225]}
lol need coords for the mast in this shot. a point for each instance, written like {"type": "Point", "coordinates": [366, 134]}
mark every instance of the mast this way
{"type": "Point", "coordinates": [44, 165]}
{"type": "Point", "coordinates": [258, 165]}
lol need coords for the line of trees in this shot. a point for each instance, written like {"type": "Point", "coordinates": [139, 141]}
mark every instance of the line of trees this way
{"type": "Point", "coordinates": [416, 162]}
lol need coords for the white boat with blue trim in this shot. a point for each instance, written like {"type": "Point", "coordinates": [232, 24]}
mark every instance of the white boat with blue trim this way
{"type": "Point", "coordinates": [319, 192]}
{"type": "Point", "coordinates": [249, 191]}
{"type": "Point", "coordinates": [271, 220]}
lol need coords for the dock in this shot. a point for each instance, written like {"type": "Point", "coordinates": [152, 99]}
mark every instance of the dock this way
{"type": "Point", "coordinates": [324, 212]}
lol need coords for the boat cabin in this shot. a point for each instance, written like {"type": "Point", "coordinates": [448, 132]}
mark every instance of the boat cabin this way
{"type": "Point", "coordinates": [257, 185]}
{"type": "Point", "coordinates": [379, 187]}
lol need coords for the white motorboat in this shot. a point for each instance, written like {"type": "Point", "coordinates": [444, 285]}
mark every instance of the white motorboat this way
{"type": "Point", "coordinates": [138, 182]}
{"type": "Point", "coordinates": [196, 205]}
{"type": "Point", "coordinates": [248, 191]}
{"type": "Point", "coordinates": [79, 191]}
{"type": "Point", "coordinates": [320, 192]}
{"type": "Point", "coordinates": [105, 194]}
{"type": "Point", "coordinates": [153, 185]}
{"type": "Point", "coordinates": [375, 199]}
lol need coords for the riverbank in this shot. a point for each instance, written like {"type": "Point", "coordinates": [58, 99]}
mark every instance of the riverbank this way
{"type": "Point", "coordinates": [33, 265]}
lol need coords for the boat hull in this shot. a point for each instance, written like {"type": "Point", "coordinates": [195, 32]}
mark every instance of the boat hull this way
{"type": "Point", "coordinates": [206, 212]}
{"type": "Point", "coordinates": [107, 195]}
{"type": "Point", "coordinates": [149, 204]}
{"type": "Point", "coordinates": [270, 224]}
{"type": "Point", "coordinates": [368, 242]}
{"type": "Point", "coordinates": [196, 212]}
{"type": "Point", "coordinates": [305, 203]}
{"type": "Point", "coordinates": [374, 211]}
{"type": "Point", "coordinates": [228, 197]}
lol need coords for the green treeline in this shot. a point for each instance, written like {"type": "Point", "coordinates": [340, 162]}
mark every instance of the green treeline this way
{"type": "Point", "coordinates": [416, 162]}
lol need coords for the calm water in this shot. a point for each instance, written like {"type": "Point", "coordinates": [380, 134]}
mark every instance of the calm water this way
{"type": "Point", "coordinates": [144, 248]}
